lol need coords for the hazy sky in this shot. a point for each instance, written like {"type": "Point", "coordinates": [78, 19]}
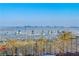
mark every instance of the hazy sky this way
{"type": "Point", "coordinates": [39, 14]}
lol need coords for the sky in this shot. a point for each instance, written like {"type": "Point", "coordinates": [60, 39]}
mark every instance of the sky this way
{"type": "Point", "coordinates": [37, 14]}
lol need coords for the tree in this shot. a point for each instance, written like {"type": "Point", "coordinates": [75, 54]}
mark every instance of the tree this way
{"type": "Point", "coordinates": [62, 41]}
